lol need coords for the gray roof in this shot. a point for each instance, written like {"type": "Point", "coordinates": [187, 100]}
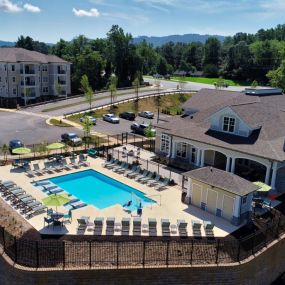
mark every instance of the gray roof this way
{"type": "Point", "coordinates": [14, 55]}
{"type": "Point", "coordinates": [265, 114]}
{"type": "Point", "coordinates": [221, 179]}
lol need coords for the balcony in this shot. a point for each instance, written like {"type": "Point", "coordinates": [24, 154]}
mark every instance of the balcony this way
{"type": "Point", "coordinates": [60, 71]}
{"type": "Point", "coordinates": [28, 83]}
{"type": "Point", "coordinates": [61, 82]}
{"type": "Point", "coordinates": [27, 71]}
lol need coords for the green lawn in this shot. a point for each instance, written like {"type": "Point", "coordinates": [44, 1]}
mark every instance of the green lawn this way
{"type": "Point", "coordinates": [206, 80]}
{"type": "Point", "coordinates": [58, 123]}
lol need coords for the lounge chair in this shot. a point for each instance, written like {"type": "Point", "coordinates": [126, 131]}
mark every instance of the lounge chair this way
{"type": "Point", "coordinates": [31, 206]}
{"type": "Point", "coordinates": [37, 169]}
{"type": "Point", "coordinates": [29, 171]}
{"type": "Point", "coordinates": [58, 166]}
{"type": "Point", "coordinates": [83, 161]}
{"type": "Point", "coordinates": [196, 227]}
{"type": "Point", "coordinates": [92, 152]}
{"type": "Point", "coordinates": [154, 181]}
{"type": "Point", "coordinates": [147, 178]}
{"type": "Point", "coordinates": [110, 222]}
{"type": "Point", "coordinates": [152, 226]}
{"type": "Point", "coordinates": [135, 173]}
{"type": "Point", "coordinates": [42, 182]}
{"type": "Point", "coordinates": [165, 227]}
{"type": "Point", "coordinates": [78, 205]}
{"type": "Point", "coordinates": [65, 165]}
{"type": "Point", "coordinates": [132, 170]}
{"type": "Point", "coordinates": [55, 191]}
{"type": "Point", "coordinates": [122, 168]}
{"type": "Point", "coordinates": [82, 224]}
{"type": "Point", "coordinates": [143, 175]}
{"type": "Point", "coordinates": [12, 193]}
{"type": "Point", "coordinates": [137, 226]}
{"type": "Point", "coordinates": [48, 188]}
{"type": "Point", "coordinates": [49, 168]}
{"type": "Point", "coordinates": [107, 162]}
{"type": "Point", "coordinates": [37, 210]}
{"type": "Point", "coordinates": [8, 183]}
{"type": "Point", "coordinates": [163, 184]}
{"type": "Point", "coordinates": [98, 225]}
{"type": "Point", "coordinates": [111, 166]}
{"type": "Point", "coordinates": [73, 163]}
{"type": "Point", "coordinates": [125, 226]}
{"type": "Point", "coordinates": [182, 227]}
{"type": "Point", "coordinates": [208, 227]}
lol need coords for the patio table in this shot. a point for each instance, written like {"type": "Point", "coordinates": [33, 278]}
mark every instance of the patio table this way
{"type": "Point", "coordinates": [57, 216]}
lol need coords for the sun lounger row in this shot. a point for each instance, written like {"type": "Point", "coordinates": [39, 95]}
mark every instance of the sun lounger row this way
{"type": "Point", "coordinates": [124, 226]}
{"type": "Point", "coordinates": [142, 176]}
{"type": "Point", "coordinates": [19, 199]}
{"type": "Point", "coordinates": [51, 166]}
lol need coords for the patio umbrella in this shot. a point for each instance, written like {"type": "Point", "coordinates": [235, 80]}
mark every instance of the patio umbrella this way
{"type": "Point", "coordinates": [54, 146]}
{"type": "Point", "coordinates": [21, 150]}
{"type": "Point", "coordinates": [55, 200]}
{"type": "Point", "coordinates": [262, 186]}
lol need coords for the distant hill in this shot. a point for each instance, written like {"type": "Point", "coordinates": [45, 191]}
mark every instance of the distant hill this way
{"type": "Point", "coordinates": [6, 44]}
{"type": "Point", "coordinates": [187, 38]}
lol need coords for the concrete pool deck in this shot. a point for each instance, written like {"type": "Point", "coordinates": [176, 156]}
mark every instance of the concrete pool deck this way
{"type": "Point", "coordinates": [169, 205]}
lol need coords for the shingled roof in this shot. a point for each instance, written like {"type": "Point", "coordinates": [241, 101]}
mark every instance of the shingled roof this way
{"type": "Point", "coordinates": [266, 114]}
{"type": "Point", "coordinates": [14, 55]}
{"type": "Point", "coordinates": [224, 180]}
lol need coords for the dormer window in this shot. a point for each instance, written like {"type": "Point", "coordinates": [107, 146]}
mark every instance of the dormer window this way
{"type": "Point", "coordinates": [229, 124]}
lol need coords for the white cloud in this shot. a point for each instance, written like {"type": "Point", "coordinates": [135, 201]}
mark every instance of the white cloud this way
{"type": "Point", "coordinates": [8, 6]}
{"type": "Point", "coordinates": [32, 8]}
{"type": "Point", "coordinates": [84, 13]}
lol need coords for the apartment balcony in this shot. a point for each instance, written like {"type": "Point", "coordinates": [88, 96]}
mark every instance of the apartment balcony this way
{"type": "Point", "coordinates": [61, 82]}
{"type": "Point", "coordinates": [61, 71]}
{"type": "Point", "coordinates": [28, 83]}
{"type": "Point", "coordinates": [27, 71]}
{"type": "Point", "coordinates": [29, 95]}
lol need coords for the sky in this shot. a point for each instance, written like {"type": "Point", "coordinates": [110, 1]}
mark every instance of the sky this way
{"type": "Point", "coordinates": [51, 20]}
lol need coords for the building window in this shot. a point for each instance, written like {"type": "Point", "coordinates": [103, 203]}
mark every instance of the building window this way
{"type": "Point", "coordinates": [45, 89]}
{"type": "Point", "coordinates": [229, 124]}
{"type": "Point", "coordinates": [45, 79]}
{"type": "Point", "coordinates": [0, 79]}
{"type": "Point", "coordinates": [14, 91]}
{"type": "Point", "coordinates": [193, 154]}
{"type": "Point", "coordinates": [244, 199]}
{"type": "Point", "coordinates": [181, 150]}
{"type": "Point", "coordinates": [14, 79]}
{"type": "Point", "coordinates": [44, 68]}
{"type": "Point", "coordinates": [165, 143]}
{"type": "Point", "coordinates": [218, 212]}
{"type": "Point", "coordinates": [13, 67]}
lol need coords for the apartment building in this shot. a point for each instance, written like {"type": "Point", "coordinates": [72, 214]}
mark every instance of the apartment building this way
{"type": "Point", "coordinates": [27, 77]}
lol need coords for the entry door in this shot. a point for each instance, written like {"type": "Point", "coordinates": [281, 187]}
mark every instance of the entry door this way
{"type": "Point", "coordinates": [196, 195]}
{"type": "Point", "coordinates": [212, 201]}
{"type": "Point", "coordinates": [228, 206]}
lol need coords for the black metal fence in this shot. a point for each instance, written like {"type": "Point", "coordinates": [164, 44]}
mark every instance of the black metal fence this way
{"type": "Point", "coordinates": [138, 252]}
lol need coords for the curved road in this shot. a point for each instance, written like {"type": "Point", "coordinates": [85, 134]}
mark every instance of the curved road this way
{"type": "Point", "coordinates": [29, 124]}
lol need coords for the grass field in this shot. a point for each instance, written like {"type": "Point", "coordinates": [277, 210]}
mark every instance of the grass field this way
{"type": "Point", "coordinates": [206, 80]}
{"type": "Point", "coordinates": [170, 103]}
{"type": "Point", "coordinates": [59, 123]}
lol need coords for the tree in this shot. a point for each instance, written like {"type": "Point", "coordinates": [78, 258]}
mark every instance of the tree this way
{"type": "Point", "coordinates": [277, 77]}
{"type": "Point", "coordinates": [112, 87]}
{"type": "Point", "coordinates": [87, 127]}
{"type": "Point", "coordinates": [148, 132]}
{"type": "Point", "coordinates": [27, 93]}
{"type": "Point", "coordinates": [58, 88]}
{"type": "Point", "coordinates": [5, 150]}
{"type": "Point", "coordinates": [254, 84]}
{"type": "Point", "coordinates": [136, 84]}
{"type": "Point", "coordinates": [88, 92]}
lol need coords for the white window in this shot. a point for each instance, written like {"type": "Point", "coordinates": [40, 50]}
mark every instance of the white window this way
{"type": "Point", "coordinates": [165, 143]}
{"type": "Point", "coordinates": [229, 124]}
{"type": "Point", "coordinates": [181, 150]}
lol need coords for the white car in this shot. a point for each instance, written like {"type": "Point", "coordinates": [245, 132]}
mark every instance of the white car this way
{"type": "Point", "coordinates": [111, 118]}
{"type": "Point", "coordinates": [146, 114]}
{"type": "Point", "coordinates": [91, 119]}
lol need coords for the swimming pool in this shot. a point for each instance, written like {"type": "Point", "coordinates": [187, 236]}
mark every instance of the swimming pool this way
{"type": "Point", "coordinates": [95, 188]}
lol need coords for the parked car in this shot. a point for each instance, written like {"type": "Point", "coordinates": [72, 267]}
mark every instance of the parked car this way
{"type": "Point", "coordinates": [71, 138]}
{"type": "Point", "coordinates": [140, 128]}
{"type": "Point", "coordinates": [128, 116]}
{"type": "Point", "coordinates": [15, 143]}
{"type": "Point", "coordinates": [91, 119]}
{"type": "Point", "coordinates": [146, 114]}
{"type": "Point", "coordinates": [111, 118]}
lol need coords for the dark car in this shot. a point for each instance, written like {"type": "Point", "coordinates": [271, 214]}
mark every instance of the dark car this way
{"type": "Point", "coordinates": [128, 116]}
{"type": "Point", "coordinates": [140, 128]}
{"type": "Point", "coordinates": [71, 138]}
{"type": "Point", "coordinates": [15, 144]}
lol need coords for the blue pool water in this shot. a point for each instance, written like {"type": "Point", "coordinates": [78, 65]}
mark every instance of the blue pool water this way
{"type": "Point", "coordinates": [97, 189]}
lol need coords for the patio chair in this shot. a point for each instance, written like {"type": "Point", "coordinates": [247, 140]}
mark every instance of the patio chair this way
{"type": "Point", "coordinates": [143, 175]}
{"type": "Point", "coordinates": [208, 227]}
{"type": "Point", "coordinates": [125, 226]}
{"type": "Point", "coordinates": [163, 184]}
{"type": "Point", "coordinates": [67, 217]}
{"type": "Point", "coordinates": [107, 162]}
{"type": "Point", "coordinates": [152, 224]}
{"type": "Point", "coordinates": [165, 227]}
{"type": "Point", "coordinates": [132, 170]}
{"type": "Point", "coordinates": [154, 181]}
{"type": "Point", "coordinates": [73, 163]}
{"type": "Point", "coordinates": [147, 178]}
{"type": "Point", "coordinates": [92, 152]}
{"type": "Point", "coordinates": [137, 226]}
{"type": "Point", "coordinates": [135, 173]}
{"type": "Point", "coordinates": [82, 224]}
{"type": "Point", "coordinates": [196, 227]}
{"type": "Point", "coordinates": [48, 221]}
{"type": "Point", "coordinates": [110, 222]}
{"type": "Point", "coordinates": [98, 225]}
{"type": "Point", "coordinates": [182, 228]}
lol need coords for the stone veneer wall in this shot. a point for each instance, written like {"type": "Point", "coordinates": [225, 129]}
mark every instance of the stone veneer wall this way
{"type": "Point", "coordinates": [264, 268]}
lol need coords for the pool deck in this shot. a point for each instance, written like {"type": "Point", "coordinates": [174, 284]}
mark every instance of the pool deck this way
{"type": "Point", "coordinates": [168, 205]}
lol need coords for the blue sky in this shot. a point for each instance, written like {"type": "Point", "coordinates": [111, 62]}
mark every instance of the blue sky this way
{"type": "Point", "coordinates": [50, 20]}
